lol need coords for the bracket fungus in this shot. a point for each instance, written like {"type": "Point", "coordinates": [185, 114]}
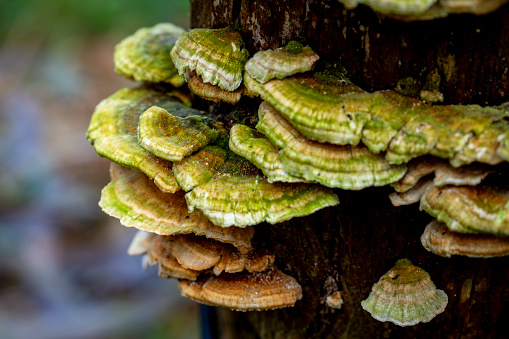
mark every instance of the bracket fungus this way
{"type": "Point", "coordinates": [470, 209]}
{"type": "Point", "coordinates": [326, 107]}
{"type": "Point", "coordinates": [172, 137]}
{"type": "Point", "coordinates": [405, 296]}
{"type": "Point", "coordinates": [438, 239]}
{"type": "Point", "coordinates": [113, 132]}
{"type": "Point", "coordinates": [217, 55]}
{"type": "Point", "coordinates": [256, 148]}
{"type": "Point", "coordinates": [237, 195]}
{"type": "Point", "coordinates": [134, 199]}
{"type": "Point", "coordinates": [145, 55]}
{"type": "Point", "coordinates": [196, 184]}
{"type": "Point", "coordinates": [285, 61]}
{"type": "Point", "coordinates": [346, 167]}
{"type": "Point", "coordinates": [212, 92]}
{"type": "Point", "coordinates": [255, 291]}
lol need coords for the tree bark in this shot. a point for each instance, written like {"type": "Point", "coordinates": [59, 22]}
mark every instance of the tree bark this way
{"type": "Point", "coordinates": [348, 248]}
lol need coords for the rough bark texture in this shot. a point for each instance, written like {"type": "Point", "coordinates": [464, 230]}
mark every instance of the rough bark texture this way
{"type": "Point", "coordinates": [349, 247]}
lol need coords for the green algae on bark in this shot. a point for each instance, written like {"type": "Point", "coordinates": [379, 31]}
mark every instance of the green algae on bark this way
{"type": "Point", "coordinates": [145, 55]}
{"type": "Point", "coordinates": [217, 55]}
{"type": "Point", "coordinates": [406, 296]}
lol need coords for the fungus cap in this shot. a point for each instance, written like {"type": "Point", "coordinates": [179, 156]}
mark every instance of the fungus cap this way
{"type": "Point", "coordinates": [217, 55]}
{"type": "Point", "coordinates": [173, 137]}
{"type": "Point", "coordinates": [405, 296]}
{"type": "Point", "coordinates": [256, 291]}
{"type": "Point", "coordinates": [113, 132]}
{"type": "Point", "coordinates": [145, 55]}
{"type": "Point", "coordinates": [346, 167]}
{"type": "Point", "coordinates": [470, 209]}
{"type": "Point", "coordinates": [285, 61]}
{"type": "Point", "coordinates": [438, 239]}
{"type": "Point", "coordinates": [137, 202]}
{"type": "Point", "coordinates": [212, 92]}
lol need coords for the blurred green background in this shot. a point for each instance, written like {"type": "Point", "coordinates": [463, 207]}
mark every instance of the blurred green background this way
{"type": "Point", "coordinates": [64, 271]}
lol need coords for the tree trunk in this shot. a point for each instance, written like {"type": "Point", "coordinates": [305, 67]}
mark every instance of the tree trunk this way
{"type": "Point", "coordinates": [348, 248]}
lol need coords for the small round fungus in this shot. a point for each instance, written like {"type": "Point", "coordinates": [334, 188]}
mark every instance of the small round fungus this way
{"type": "Point", "coordinates": [145, 55]}
{"type": "Point", "coordinates": [405, 296]}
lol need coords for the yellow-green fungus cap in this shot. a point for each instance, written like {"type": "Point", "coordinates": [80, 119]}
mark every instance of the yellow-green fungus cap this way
{"type": "Point", "coordinates": [285, 61]}
{"type": "Point", "coordinates": [470, 209]}
{"type": "Point", "coordinates": [113, 132]}
{"type": "Point", "coordinates": [145, 55]}
{"type": "Point", "coordinates": [256, 148]}
{"type": "Point", "coordinates": [137, 202]}
{"type": "Point", "coordinates": [217, 55]}
{"type": "Point", "coordinates": [321, 106]}
{"type": "Point", "coordinates": [405, 296]}
{"type": "Point", "coordinates": [234, 193]}
{"type": "Point", "coordinates": [346, 167]}
{"type": "Point", "coordinates": [172, 137]}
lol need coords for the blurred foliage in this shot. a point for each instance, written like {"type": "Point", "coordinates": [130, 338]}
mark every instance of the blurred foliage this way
{"type": "Point", "coordinates": [52, 20]}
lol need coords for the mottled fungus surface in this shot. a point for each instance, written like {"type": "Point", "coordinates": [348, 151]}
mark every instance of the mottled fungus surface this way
{"type": "Point", "coordinates": [212, 92]}
{"type": "Point", "coordinates": [217, 55]}
{"type": "Point", "coordinates": [285, 61]}
{"type": "Point", "coordinates": [438, 239]}
{"type": "Point", "coordinates": [405, 296]}
{"type": "Point", "coordinates": [470, 209]}
{"type": "Point", "coordinates": [137, 202]}
{"type": "Point", "coordinates": [199, 168]}
{"type": "Point", "coordinates": [145, 55]}
{"type": "Point", "coordinates": [256, 148]}
{"type": "Point", "coordinates": [113, 132]}
{"type": "Point", "coordinates": [173, 137]}
{"type": "Point", "coordinates": [346, 167]}
{"type": "Point", "coordinates": [237, 195]}
{"type": "Point", "coordinates": [256, 291]}
{"type": "Point", "coordinates": [322, 107]}
{"type": "Point", "coordinates": [328, 108]}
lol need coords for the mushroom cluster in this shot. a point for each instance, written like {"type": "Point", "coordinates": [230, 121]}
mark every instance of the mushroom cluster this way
{"type": "Point", "coordinates": [197, 182]}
